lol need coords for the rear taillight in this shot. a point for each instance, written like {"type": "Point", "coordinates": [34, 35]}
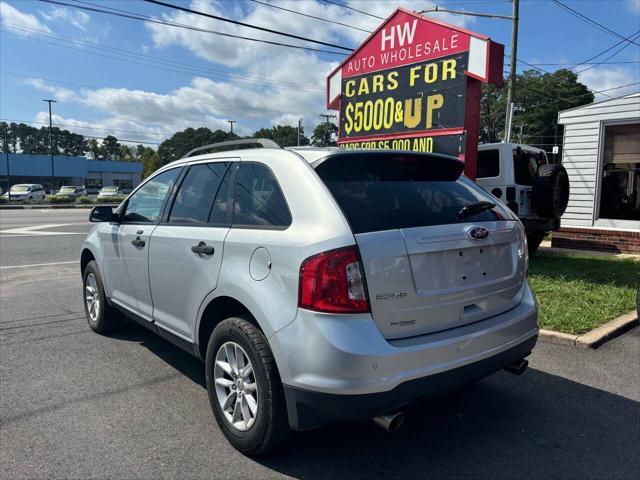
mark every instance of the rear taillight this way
{"type": "Point", "coordinates": [333, 282]}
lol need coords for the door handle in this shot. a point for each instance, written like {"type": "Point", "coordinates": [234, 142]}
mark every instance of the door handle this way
{"type": "Point", "coordinates": [138, 242]}
{"type": "Point", "coordinates": [202, 249]}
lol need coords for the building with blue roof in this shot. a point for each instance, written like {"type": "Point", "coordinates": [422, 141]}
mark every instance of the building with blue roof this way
{"type": "Point", "coordinates": [93, 174]}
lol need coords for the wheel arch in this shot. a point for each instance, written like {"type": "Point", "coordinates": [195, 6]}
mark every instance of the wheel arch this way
{"type": "Point", "coordinates": [215, 311]}
{"type": "Point", "coordinates": [85, 257]}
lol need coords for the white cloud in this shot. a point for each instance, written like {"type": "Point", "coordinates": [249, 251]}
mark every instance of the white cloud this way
{"type": "Point", "coordinates": [75, 17]}
{"type": "Point", "coordinates": [633, 6]}
{"type": "Point", "coordinates": [16, 20]}
{"type": "Point", "coordinates": [265, 84]}
{"type": "Point", "coordinates": [602, 78]}
{"type": "Point", "coordinates": [60, 93]}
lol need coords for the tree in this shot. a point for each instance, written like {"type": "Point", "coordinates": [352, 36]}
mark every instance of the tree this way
{"type": "Point", "coordinates": [539, 98]}
{"type": "Point", "coordinates": [182, 142]}
{"type": "Point", "coordinates": [111, 147]}
{"type": "Point", "coordinates": [283, 135]}
{"type": "Point", "coordinates": [149, 159]}
{"type": "Point", "coordinates": [323, 135]}
{"type": "Point", "coordinates": [96, 151]}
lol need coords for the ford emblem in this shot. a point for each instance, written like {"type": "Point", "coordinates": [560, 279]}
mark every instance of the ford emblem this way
{"type": "Point", "coordinates": [478, 233]}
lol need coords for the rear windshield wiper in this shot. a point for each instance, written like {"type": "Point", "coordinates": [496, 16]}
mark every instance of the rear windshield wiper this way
{"type": "Point", "coordinates": [474, 208]}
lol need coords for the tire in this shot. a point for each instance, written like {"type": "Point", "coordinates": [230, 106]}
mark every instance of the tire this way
{"type": "Point", "coordinates": [534, 239]}
{"type": "Point", "coordinates": [105, 318]}
{"type": "Point", "coordinates": [270, 425]}
{"type": "Point", "coordinates": [550, 192]}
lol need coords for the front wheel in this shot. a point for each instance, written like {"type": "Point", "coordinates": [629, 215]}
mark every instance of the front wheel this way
{"type": "Point", "coordinates": [102, 318]}
{"type": "Point", "coordinates": [244, 387]}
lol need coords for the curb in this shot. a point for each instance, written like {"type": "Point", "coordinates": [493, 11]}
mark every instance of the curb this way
{"type": "Point", "coordinates": [62, 205]}
{"type": "Point", "coordinates": [596, 337]}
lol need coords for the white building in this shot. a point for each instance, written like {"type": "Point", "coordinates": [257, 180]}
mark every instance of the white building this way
{"type": "Point", "coordinates": [601, 152]}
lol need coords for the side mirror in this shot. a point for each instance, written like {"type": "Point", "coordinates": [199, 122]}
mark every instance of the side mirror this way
{"type": "Point", "coordinates": [103, 214]}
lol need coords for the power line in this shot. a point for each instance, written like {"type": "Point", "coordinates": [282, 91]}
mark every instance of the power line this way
{"type": "Point", "coordinates": [86, 136]}
{"type": "Point", "coordinates": [581, 95]}
{"type": "Point", "coordinates": [354, 9]}
{"type": "Point", "coordinates": [582, 63]}
{"type": "Point", "coordinates": [89, 127]}
{"type": "Point", "coordinates": [590, 21]}
{"type": "Point", "coordinates": [248, 25]}
{"type": "Point", "coordinates": [310, 16]}
{"type": "Point", "coordinates": [135, 16]}
{"type": "Point", "coordinates": [161, 61]}
{"type": "Point", "coordinates": [604, 51]}
{"type": "Point", "coordinates": [608, 58]}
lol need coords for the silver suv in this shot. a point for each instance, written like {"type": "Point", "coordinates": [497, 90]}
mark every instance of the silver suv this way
{"type": "Point", "coordinates": [316, 284]}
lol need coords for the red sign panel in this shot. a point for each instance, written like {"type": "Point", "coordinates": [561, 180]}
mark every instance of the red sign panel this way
{"type": "Point", "coordinates": [415, 84]}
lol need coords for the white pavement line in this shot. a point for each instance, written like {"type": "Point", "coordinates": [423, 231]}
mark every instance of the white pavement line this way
{"type": "Point", "coordinates": [35, 230]}
{"type": "Point", "coordinates": [44, 234]}
{"type": "Point", "coordinates": [39, 264]}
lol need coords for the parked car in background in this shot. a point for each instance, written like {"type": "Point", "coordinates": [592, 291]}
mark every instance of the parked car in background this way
{"type": "Point", "coordinates": [25, 192]}
{"type": "Point", "coordinates": [106, 193]}
{"type": "Point", "coordinates": [352, 283]}
{"type": "Point", "coordinates": [522, 177]}
{"type": "Point", "coordinates": [71, 191]}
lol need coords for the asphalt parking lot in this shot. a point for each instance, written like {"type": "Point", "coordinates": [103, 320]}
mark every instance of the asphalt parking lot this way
{"type": "Point", "coordinates": [74, 404]}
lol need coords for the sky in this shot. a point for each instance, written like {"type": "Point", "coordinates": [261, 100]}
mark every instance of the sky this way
{"type": "Point", "coordinates": [142, 81]}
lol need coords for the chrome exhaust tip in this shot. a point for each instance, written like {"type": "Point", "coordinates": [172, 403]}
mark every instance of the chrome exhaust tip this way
{"type": "Point", "coordinates": [390, 422]}
{"type": "Point", "coordinates": [518, 367]}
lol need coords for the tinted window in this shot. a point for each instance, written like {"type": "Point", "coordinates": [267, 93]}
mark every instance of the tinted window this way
{"type": "Point", "coordinates": [205, 186]}
{"type": "Point", "coordinates": [146, 204]}
{"type": "Point", "coordinates": [488, 163]}
{"type": "Point", "coordinates": [525, 165]}
{"type": "Point", "coordinates": [258, 198]}
{"type": "Point", "coordinates": [386, 192]}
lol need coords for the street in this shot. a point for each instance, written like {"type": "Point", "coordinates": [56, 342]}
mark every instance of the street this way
{"type": "Point", "coordinates": [74, 404]}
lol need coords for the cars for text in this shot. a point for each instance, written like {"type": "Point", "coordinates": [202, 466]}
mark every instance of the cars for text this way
{"type": "Point", "coordinates": [317, 285]}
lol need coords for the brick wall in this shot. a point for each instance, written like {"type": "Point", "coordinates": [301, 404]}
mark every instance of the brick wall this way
{"type": "Point", "coordinates": [596, 239]}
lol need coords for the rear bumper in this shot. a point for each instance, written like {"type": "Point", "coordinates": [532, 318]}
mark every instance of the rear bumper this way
{"type": "Point", "coordinates": [308, 409]}
{"type": "Point", "coordinates": [340, 367]}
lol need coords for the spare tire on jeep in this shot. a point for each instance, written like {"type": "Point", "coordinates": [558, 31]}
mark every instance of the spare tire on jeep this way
{"type": "Point", "coordinates": [550, 192]}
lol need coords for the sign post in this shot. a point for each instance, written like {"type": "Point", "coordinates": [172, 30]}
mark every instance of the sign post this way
{"type": "Point", "coordinates": [414, 84]}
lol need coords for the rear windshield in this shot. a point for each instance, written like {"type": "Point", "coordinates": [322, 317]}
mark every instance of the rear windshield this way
{"type": "Point", "coordinates": [390, 192]}
{"type": "Point", "coordinates": [109, 189]}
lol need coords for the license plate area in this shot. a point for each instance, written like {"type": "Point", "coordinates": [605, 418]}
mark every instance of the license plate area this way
{"type": "Point", "coordinates": [462, 268]}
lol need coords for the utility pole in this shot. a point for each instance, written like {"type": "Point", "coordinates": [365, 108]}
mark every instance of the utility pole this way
{"type": "Point", "coordinates": [50, 101]}
{"type": "Point", "coordinates": [6, 150]}
{"type": "Point", "coordinates": [511, 87]}
{"type": "Point", "coordinates": [326, 116]}
{"type": "Point", "coordinates": [231, 122]}
{"type": "Point", "coordinates": [299, 128]}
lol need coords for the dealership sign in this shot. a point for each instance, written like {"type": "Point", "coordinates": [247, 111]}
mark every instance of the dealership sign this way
{"type": "Point", "coordinates": [414, 84]}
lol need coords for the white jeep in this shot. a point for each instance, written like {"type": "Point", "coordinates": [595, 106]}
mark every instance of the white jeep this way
{"type": "Point", "coordinates": [522, 177]}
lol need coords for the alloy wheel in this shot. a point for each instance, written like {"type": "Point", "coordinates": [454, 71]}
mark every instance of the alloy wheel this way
{"type": "Point", "coordinates": [91, 297]}
{"type": "Point", "coordinates": [236, 388]}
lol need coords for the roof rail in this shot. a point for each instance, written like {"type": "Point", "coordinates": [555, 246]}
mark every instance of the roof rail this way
{"type": "Point", "coordinates": [231, 144]}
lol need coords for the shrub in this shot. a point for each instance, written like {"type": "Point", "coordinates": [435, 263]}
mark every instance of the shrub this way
{"type": "Point", "coordinates": [84, 199]}
{"type": "Point", "coordinates": [3, 200]}
{"type": "Point", "coordinates": [59, 199]}
{"type": "Point", "coordinates": [111, 199]}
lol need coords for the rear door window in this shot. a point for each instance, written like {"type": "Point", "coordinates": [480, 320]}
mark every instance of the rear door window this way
{"type": "Point", "coordinates": [526, 164]}
{"type": "Point", "coordinates": [386, 192]}
{"type": "Point", "coordinates": [488, 163]}
{"type": "Point", "coordinates": [203, 195]}
{"type": "Point", "coordinates": [259, 202]}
